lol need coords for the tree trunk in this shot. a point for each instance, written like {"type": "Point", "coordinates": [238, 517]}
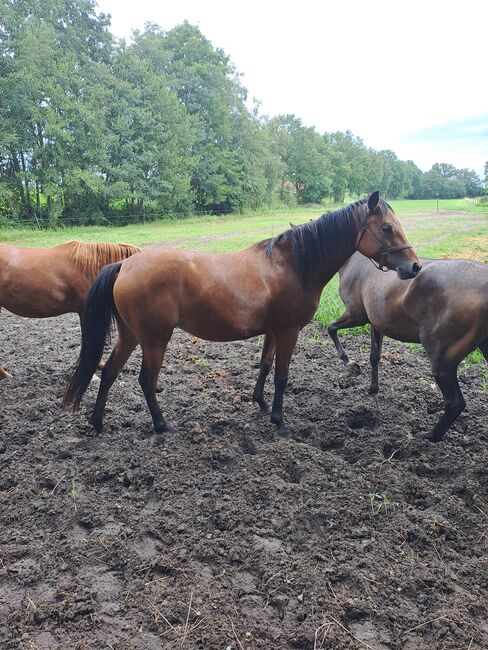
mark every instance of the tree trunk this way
{"type": "Point", "coordinates": [27, 190]}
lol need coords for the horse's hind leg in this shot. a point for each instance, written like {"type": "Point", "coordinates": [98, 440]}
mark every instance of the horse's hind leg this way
{"type": "Point", "coordinates": [267, 356]}
{"type": "Point", "coordinates": [445, 375]}
{"type": "Point", "coordinates": [152, 359]}
{"type": "Point", "coordinates": [347, 320]}
{"type": "Point", "coordinates": [374, 357]}
{"type": "Point", "coordinates": [123, 348]}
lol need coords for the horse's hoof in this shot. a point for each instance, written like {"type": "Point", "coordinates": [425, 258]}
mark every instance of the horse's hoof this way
{"type": "Point", "coordinates": [164, 428]}
{"type": "Point", "coordinates": [373, 390]}
{"type": "Point", "coordinates": [283, 431]}
{"type": "Point", "coordinates": [353, 368]}
{"type": "Point", "coordinates": [96, 424]}
{"type": "Point", "coordinates": [264, 407]}
{"type": "Point", "coordinates": [428, 437]}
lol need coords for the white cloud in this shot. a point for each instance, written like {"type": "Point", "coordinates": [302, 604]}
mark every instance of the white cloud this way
{"type": "Point", "coordinates": [381, 69]}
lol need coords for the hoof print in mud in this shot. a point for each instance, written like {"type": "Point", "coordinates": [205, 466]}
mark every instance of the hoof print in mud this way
{"type": "Point", "coordinates": [361, 418]}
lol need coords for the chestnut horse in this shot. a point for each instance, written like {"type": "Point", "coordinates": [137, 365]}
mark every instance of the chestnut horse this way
{"type": "Point", "coordinates": [271, 288]}
{"type": "Point", "coordinates": [43, 282]}
{"type": "Point", "coordinates": [445, 308]}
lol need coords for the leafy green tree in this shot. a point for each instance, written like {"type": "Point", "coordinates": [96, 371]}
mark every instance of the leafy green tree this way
{"type": "Point", "coordinates": [230, 155]}
{"type": "Point", "coordinates": [306, 156]}
{"type": "Point", "coordinates": [54, 56]}
{"type": "Point", "coordinates": [152, 136]}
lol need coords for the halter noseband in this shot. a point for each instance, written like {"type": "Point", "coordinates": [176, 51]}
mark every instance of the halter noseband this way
{"type": "Point", "coordinates": [385, 250]}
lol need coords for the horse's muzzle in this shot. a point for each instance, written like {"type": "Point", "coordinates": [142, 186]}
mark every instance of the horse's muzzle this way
{"type": "Point", "coordinates": [408, 270]}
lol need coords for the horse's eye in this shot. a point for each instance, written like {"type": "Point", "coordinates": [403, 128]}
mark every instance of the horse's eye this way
{"type": "Point", "coordinates": [387, 229]}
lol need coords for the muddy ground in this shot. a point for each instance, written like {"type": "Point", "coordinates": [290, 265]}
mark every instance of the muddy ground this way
{"type": "Point", "coordinates": [346, 535]}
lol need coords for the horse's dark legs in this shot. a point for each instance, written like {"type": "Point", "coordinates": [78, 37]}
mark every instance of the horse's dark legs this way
{"type": "Point", "coordinates": [3, 373]}
{"type": "Point", "coordinates": [445, 376]}
{"type": "Point", "coordinates": [285, 343]}
{"type": "Point", "coordinates": [152, 359]}
{"type": "Point", "coordinates": [348, 319]}
{"type": "Point", "coordinates": [374, 357]}
{"type": "Point", "coordinates": [123, 348]}
{"type": "Point", "coordinates": [484, 349]}
{"type": "Point", "coordinates": [267, 356]}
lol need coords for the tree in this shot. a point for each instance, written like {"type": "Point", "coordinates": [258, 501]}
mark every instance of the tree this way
{"type": "Point", "coordinates": [229, 150]}
{"type": "Point", "coordinates": [152, 137]}
{"type": "Point", "coordinates": [53, 102]}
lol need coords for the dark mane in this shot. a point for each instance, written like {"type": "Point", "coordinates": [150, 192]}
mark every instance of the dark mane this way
{"type": "Point", "coordinates": [332, 233]}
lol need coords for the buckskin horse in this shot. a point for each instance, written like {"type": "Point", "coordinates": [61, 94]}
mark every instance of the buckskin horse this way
{"type": "Point", "coordinates": [445, 308]}
{"type": "Point", "coordinates": [43, 282]}
{"type": "Point", "coordinates": [271, 288]}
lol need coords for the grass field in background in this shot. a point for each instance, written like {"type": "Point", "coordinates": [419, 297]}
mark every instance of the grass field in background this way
{"type": "Point", "coordinates": [458, 229]}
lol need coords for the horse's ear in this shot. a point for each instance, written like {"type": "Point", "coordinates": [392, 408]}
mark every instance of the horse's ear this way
{"type": "Point", "coordinates": [373, 200]}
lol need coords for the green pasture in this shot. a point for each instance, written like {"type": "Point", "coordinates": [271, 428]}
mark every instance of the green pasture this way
{"type": "Point", "coordinates": [455, 227]}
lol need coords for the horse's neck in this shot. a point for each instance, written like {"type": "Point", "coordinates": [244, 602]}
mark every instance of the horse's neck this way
{"type": "Point", "coordinates": [332, 264]}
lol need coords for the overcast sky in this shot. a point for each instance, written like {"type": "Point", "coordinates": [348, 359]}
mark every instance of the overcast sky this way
{"type": "Point", "coordinates": [406, 75]}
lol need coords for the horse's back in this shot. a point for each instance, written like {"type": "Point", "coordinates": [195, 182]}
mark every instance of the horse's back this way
{"type": "Point", "coordinates": [453, 277]}
{"type": "Point", "coordinates": [450, 300]}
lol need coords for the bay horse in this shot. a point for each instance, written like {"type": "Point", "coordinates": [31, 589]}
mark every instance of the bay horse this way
{"type": "Point", "coordinates": [445, 308]}
{"type": "Point", "coordinates": [44, 282]}
{"type": "Point", "coordinates": [271, 288]}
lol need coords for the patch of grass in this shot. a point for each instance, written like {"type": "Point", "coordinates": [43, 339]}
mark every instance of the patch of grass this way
{"type": "Point", "coordinates": [379, 503]}
{"type": "Point", "coordinates": [472, 359]}
{"type": "Point", "coordinates": [74, 492]}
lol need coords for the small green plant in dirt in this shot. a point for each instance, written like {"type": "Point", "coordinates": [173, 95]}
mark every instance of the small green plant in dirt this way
{"type": "Point", "coordinates": [379, 503]}
{"type": "Point", "coordinates": [200, 361]}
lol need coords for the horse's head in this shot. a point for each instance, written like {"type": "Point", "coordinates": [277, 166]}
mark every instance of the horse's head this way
{"type": "Point", "coordinates": [381, 238]}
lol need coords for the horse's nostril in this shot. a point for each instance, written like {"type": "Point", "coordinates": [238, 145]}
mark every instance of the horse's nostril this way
{"type": "Point", "coordinates": [416, 267]}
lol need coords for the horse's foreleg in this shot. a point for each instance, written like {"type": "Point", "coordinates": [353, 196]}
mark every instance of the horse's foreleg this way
{"type": "Point", "coordinates": [484, 349]}
{"type": "Point", "coordinates": [445, 376]}
{"type": "Point", "coordinates": [152, 359]}
{"type": "Point", "coordinates": [374, 357]}
{"type": "Point", "coordinates": [346, 321]}
{"type": "Point", "coordinates": [285, 343]}
{"type": "Point", "coordinates": [267, 356]}
{"type": "Point", "coordinates": [123, 348]}
{"type": "Point", "coordinates": [3, 373]}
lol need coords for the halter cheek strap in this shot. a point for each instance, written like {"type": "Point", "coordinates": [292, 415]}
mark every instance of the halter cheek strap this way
{"type": "Point", "coordinates": [384, 250]}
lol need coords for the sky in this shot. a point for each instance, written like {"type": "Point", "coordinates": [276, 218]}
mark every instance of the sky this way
{"type": "Point", "coordinates": [405, 75]}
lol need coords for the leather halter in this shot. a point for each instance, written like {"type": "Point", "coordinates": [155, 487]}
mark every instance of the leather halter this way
{"type": "Point", "coordinates": [384, 249]}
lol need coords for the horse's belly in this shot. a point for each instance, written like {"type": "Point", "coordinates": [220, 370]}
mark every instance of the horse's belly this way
{"type": "Point", "coordinates": [216, 327]}
{"type": "Point", "coordinates": [399, 331]}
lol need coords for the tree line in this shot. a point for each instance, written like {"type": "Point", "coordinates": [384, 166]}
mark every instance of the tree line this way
{"type": "Point", "coordinates": [91, 126]}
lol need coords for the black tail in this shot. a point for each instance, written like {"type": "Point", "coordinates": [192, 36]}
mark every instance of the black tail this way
{"type": "Point", "coordinates": [99, 313]}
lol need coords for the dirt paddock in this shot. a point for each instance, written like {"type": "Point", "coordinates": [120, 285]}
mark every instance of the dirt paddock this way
{"type": "Point", "coordinates": [346, 535]}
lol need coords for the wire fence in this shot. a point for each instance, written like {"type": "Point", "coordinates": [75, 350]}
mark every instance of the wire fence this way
{"type": "Point", "coordinates": [105, 219]}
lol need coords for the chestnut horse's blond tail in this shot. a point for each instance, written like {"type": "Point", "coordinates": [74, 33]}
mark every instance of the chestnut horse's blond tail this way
{"type": "Point", "coordinates": [99, 313]}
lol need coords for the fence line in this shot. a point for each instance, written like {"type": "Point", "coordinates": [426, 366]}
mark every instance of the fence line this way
{"type": "Point", "coordinates": [107, 219]}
